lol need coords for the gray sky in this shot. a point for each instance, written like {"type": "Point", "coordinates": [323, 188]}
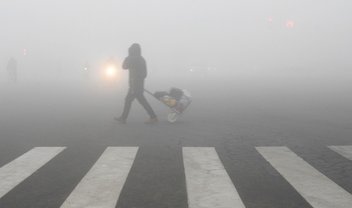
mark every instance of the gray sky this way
{"type": "Point", "coordinates": [226, 34]}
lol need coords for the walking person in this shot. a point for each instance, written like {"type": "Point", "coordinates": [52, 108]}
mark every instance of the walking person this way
{"type": "Point", "coordinates": [12, 69]}
{"type": "Point", "coordinates": [136, 65]}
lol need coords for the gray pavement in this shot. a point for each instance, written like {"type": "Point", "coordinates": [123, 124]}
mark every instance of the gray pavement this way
{"type": "Point", "coordinates": [234, 122]}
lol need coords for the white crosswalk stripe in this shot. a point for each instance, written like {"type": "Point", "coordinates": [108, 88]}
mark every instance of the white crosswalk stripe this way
{"type": "Point", "coordinates": [316, 188]}
{"type": "Point", "coordinates": [103, 183]}
{"type": "Point", "coordinates": [19, 169]}
{"type": "Point", "coordinates": [345, 151]}
{"type": "Point", "coordinates": [208, 184]}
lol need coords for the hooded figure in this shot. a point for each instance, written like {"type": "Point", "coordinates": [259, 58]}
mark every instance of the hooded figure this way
{"type": "Point", "coordinates": [137, 68]}
{"type": "Point", "coordinates": [135, 63]}
{"type": "Point", "coordinates": [12, 69]}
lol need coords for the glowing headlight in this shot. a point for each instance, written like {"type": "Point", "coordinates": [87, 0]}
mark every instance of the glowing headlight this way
{"type": "Point", "coordinates": [110, 71]}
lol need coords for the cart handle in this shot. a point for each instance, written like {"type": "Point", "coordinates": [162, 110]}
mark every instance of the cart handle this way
{"type": "Point", "coordinates": [150, 93]}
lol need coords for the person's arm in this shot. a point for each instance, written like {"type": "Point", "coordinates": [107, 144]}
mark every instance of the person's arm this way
{"type": "Point", "coordinates": [126, 64]}
{"type": "Point", "coordinates": [144, 69]}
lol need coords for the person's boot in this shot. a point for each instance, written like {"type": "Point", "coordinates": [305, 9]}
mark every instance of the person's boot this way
{"type": "Point", "coordinates": [151, 121]}
{"type": "Point", "coordinates": [120, 120]}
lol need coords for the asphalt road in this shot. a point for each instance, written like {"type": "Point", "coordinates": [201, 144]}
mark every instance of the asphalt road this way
{"type": "Point", "coordinates": [217, 147]}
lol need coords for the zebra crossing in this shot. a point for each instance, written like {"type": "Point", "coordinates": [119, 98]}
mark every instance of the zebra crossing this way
{"type": "Point", "coordinates": [15, 172]}
{"type": "Point", "coordinates": [102, 185]}
{"type": "Point", "coordinates": [345, 151]}
{"type": "Point", "coordinates": [208, 183]}
{"type": "Point", "coordinates": [316, 188]}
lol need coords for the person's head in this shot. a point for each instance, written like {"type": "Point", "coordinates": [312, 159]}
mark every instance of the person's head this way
{"type": "Point", "coordinates": [135, 50]}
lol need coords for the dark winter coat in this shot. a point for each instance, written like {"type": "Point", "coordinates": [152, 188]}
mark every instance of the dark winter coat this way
{"type": "Point", "coordinates": [135, 63]}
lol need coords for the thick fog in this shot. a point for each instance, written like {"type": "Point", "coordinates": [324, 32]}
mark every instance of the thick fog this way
{"type": "Point", "coordinates": [288, 56]}
{"type": "Point", "coordinates": [261, 115]}
{"type": "Point", "coordinates": [228, 35]}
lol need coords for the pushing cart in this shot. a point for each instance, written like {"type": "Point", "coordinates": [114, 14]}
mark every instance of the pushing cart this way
{"type": "Point", "coordinates": [176, 99]}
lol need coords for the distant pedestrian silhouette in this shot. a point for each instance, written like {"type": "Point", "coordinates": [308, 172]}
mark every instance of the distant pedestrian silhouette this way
{"type": "Point", "coordinates": [136, 65]}
{"type": "Point", "coordinates": [12, 69]}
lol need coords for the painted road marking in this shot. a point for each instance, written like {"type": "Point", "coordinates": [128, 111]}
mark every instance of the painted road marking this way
{"type": "Point", "coordinates": [208, 184]}
{"type": "Point", "coordinates": [315, 187]}
{"type": "Point", "coordinates": [345, 151]}
{"type": "Point", "coordinates": [102, 185]}
{"type": "Point", "coordinates": [22, 167]}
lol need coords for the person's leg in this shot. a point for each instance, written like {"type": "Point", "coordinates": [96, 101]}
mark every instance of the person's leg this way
{"type": "Point", "coordinates": [128, 103]}
{"type": "Point", "coordinates": [139, 90]}
{"type": "Point", "coordinates": [141, 99]}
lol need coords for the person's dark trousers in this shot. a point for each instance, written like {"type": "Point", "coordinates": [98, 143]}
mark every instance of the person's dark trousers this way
{"type": "Point", "coordinates": [136, 90]}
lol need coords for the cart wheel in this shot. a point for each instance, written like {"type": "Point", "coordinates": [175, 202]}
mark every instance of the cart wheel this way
{"type": "Point", "coordinates": [172, 117]}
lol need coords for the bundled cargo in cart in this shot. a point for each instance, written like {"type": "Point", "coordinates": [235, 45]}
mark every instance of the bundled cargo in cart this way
{"type": "Point", "coordinates": [176, 99]}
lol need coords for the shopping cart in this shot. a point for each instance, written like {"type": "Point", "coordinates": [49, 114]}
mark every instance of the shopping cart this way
{"type": "Point", "coordinates": [176, 100]}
